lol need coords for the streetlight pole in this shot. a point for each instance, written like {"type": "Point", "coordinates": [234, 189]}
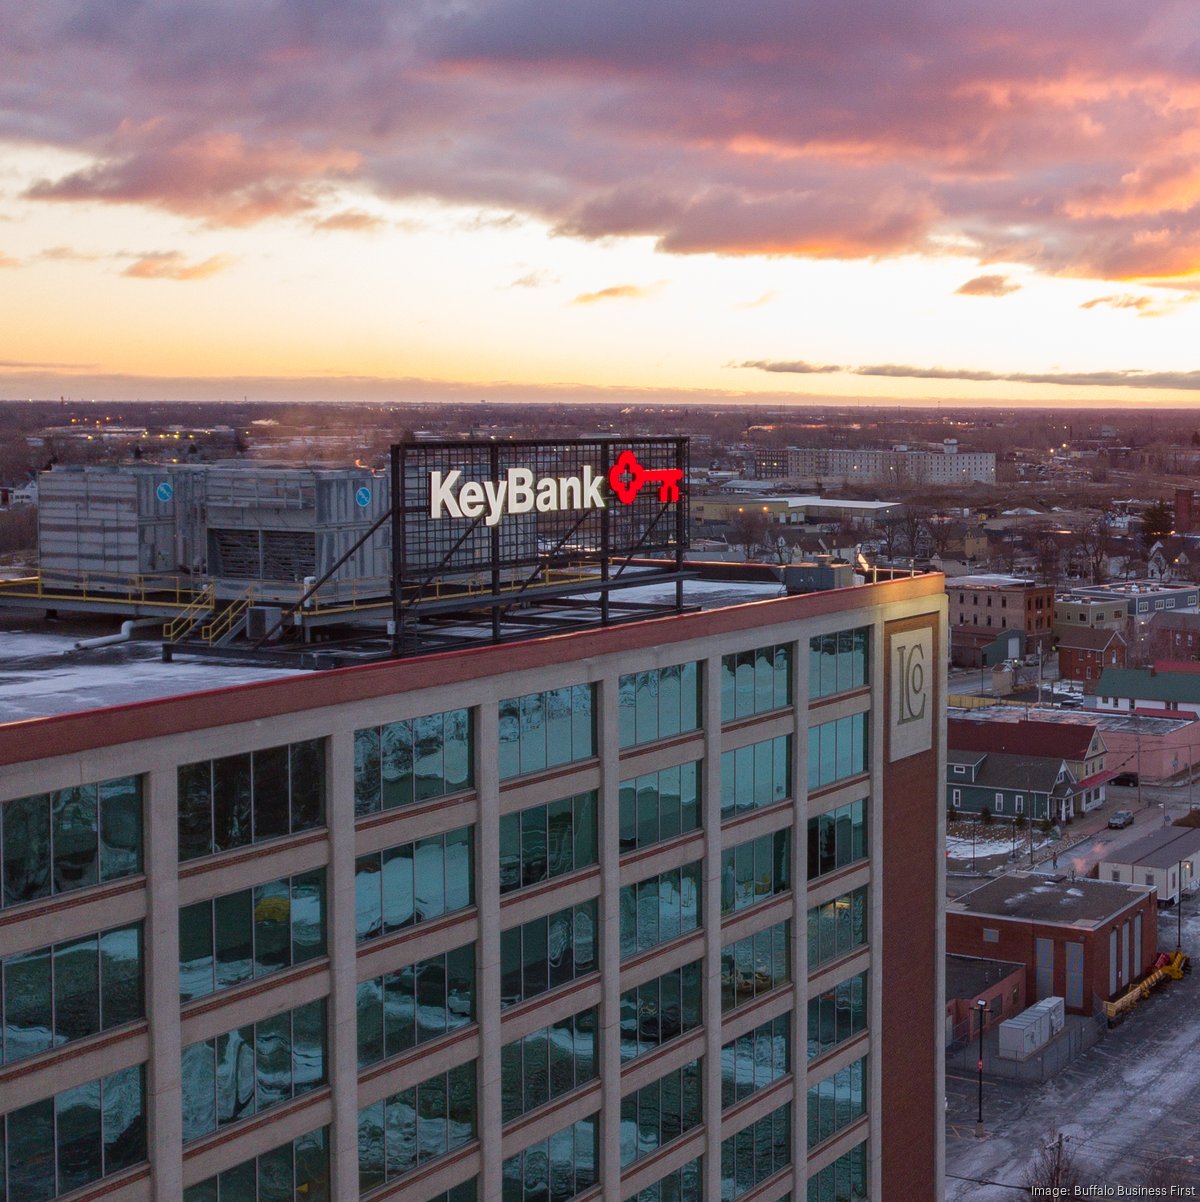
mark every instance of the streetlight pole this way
{"type": "Point", "coordinates": [1179, 906]}
{"type": "Point", "coordinates": [979, 1120]}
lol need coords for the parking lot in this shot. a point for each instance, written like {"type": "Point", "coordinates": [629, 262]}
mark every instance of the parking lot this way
{"type": "Point", "coordinates": [1129, 1108]}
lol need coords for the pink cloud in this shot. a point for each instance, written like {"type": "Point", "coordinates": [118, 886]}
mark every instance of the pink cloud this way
{"type": "Point", "coordinates": [617, 292]}
{"type": "Point", "coordinates": [352, 220]}
{"type": "Point", "coordinates": [171, 265]}
{"type": "Point", "coordinates": [1061, 137]}
{"type": "Point", "coordinates": [988, 285]}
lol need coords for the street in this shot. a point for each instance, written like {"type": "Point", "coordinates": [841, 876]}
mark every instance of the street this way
{"type": "Point", "coordinates": [1129, 1108]}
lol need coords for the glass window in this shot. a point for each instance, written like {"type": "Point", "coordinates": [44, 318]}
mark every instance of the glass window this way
{"type": "Point", "coordinates": [295, 1172]}
{"type": "Point", "coordinates": [547, 952]}
{"type": "Point", "coordinates": [556, 1169]}
{"type": "Point", "coordinates": [836, 1102]}
{"type": "Point", "coordinates": [247, 798]}
{"type": "Point", "coordinates": [416, 1125]}
{"type": "Point", "coordinates": [838, 1014]}
{"type": "Point", "coordinates": [755, 776]}
{"type": "Point", "coordinates": [756, 1153]}
{"type": "Point", "coordinates": [414, 760]}
{"type": "Point", "coordinates": [547, 729]}
{"type": "Point", "coordinates": [659, 1112]}
{"type": "Point", "coordinates": [254, 931]}
{"type": "Point", "coordinates": [681, 1185]}
{"type": "Point", "coordinates": [754, 871]}
{"type": "Point", "coordinates": [546, 841]}
{"type": "Point", "coordinates": [837, 927]}
{"type": "Point", "coordinates": [413, 882]}
{"type": "Point", "coordinates": [546, 1064]}
{"type": "Point", "coordinates": [756, 682]}
{"type": "Point", "coordinates": [837, 750]}
{"type": "Point", "coordinates": [53, 995]}
{"type": "Point", "coordinates": [754, 965]}
{"type": "Point", "coordinates": [838, 662]}
{"type": "Point", "coordinates": [79, 1136]}
{"type": "Point", "coordinates": [837, 839]}
{"type": "Point", "coordinates": [69, 839]}
{"type": "Point", "coordinates": [658, 704]}
{"type": "Point", "coordinates": [845, 1178]}
{"type": "Point", "coordinates": [659, 806]}
{"type": "Point", "coordinates": [251, 1068]}
{"type": "Point", "coordinates": [656, 1012]}
{"type": "Point", "coordinates": [755, 1060]}
{"type": "Point", "coordinates": [661, 908]}
{"type": "Point", "coordinates": [415, 1004]}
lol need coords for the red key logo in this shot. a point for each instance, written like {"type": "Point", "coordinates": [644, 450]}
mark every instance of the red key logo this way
{"type": "Point", "coordinates": [628, 475]}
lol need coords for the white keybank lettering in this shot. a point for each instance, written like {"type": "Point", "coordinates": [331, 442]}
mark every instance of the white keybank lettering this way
{"type": "Point", "coordinates": [518, 492]}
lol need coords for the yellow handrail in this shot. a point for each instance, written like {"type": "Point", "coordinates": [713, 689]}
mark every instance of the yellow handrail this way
{"type": "Point", "coordinates": [180, 625]}
{"type": "Point", "coordinates": [227, 618]}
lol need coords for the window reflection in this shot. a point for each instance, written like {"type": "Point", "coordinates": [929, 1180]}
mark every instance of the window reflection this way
{"type": "Point", "coordinates": [547, 952]}
{"type": "Point", "coordinates": [295, 1172]}
{"type": "Point", "coordinates": [79, 1136]}
{"type": "Point", "coordinates": [659, 1112]}
{"type": "Point", "coordinates": [756, 682]}
{"type": "Point", "coordinates": [658, 704]}
{"type": "Point", "coordinates": [546, 1064]}
{"type": "Point", "coordinates": [69, 839]}
{"type": "Point", "coordinates": [414, 760]}
{"type": "Point", "coordinates": [547, 841]}
{"type": "Point", "coordinates": [546, 730]}
{"type": "Point", "coordinates": [250, 933]}
{"type": "Point", "coordinates": [53, 995]}
{"type": "Point", "coordinates": [756, 1153]}
{"type": "Point", "coordinates": [754, 965]}
{"type": "Point", "coordinates": [557, 1168]}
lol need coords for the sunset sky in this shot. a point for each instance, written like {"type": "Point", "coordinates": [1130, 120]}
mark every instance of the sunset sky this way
{"type": "Point", "coordinates": [942, 199]}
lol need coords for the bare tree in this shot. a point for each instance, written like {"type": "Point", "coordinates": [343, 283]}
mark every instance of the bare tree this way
{"type": "Point", "coordinates": [1054, 1166]}
{"type": "Point", "coordinates": [750, 531]}
{"type": "Point", "coordinates": [913, 523]}
{"type": "Point", "coordinates": [891, 533]}
{"type": "Point", "coordinates": [1046, 552]}
{"type": "Point", "coordinates": [1093, 543]}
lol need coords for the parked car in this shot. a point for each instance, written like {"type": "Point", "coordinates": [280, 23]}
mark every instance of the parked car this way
{"type": "Point", "coordinates": [1128, 779]}
{"type": "Point", "coordinates": [1120, 819]}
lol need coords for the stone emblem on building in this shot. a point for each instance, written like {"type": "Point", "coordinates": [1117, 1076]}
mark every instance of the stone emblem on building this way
{"type": "Point", "coordinates": [910, 699]}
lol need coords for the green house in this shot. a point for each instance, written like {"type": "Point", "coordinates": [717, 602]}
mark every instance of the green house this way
{"type": "Point", "coordinates": [1010, 786]}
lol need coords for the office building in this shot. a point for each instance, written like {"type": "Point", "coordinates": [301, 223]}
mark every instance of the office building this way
{"type": "Point", "coordinates": [897, 465]}
{"type": "Point", "coordinates": [616, 914]}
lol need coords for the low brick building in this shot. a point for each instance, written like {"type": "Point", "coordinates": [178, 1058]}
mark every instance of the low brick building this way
{"type": "Point", "coordinates": [1083, 654]}
{"type": "Point", "coordinates": [999, 984]}
{"type": "Point", "coordinates": [1082, 940]}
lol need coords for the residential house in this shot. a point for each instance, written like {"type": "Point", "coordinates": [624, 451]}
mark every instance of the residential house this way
{"type": "Point", "coordinates": [1079, 745]}
{"type": "Point", "coordinates": [1009, 786]}
{"type": "Point", "coordinates": [1083, 654]}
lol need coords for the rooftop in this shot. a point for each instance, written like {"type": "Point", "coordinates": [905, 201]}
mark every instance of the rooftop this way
{"type": "Point", "coordinates": [1030, 897]}
{"type": "Point", "coordinates": [1146, 684]}
{"type": "Point", "coordinates": [1159, 849]}
{"type": "Point", "coordinates": [1124, 723]}
{"type": "Point", "coordinates": [1026, 737]}
{"type": "Point", "coordinates": [991, 580]}
{"type": "Point", "coordinates": [44, 676]}
{"type": "Point", "coordinates": [969, 976]}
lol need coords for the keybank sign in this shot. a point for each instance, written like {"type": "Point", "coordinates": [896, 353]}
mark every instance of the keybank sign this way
{"type": "Point", "coordinates": [521, 492]}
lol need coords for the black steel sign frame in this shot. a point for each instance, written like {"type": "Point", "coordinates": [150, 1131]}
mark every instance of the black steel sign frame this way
{"type": "Point", "coordinates": [514, 527]}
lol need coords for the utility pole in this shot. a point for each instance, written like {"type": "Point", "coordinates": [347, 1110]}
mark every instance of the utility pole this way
{"type": "Point", "coordinates": [1138, 737]}
{"type": "Point", "coordinates": [979, 1120]}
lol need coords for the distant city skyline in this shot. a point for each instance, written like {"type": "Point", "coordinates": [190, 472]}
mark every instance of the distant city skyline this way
{"type": "Point", "coordinates": [969, 204]}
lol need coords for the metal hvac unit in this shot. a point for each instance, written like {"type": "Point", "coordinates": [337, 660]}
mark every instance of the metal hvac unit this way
{"type": "Point", "coordinates": [263, 622]}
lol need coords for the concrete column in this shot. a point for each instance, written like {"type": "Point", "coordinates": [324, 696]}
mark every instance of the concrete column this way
{"type": "Point", "coordinates": [340, 939]}
{"type": "Point", "coordinates": [799, 945]}
{"type": "Point", "coordinates": [710, 794]}
{"type": "Point", "coordinates": [487, 951]}
{"type": "Point", "coordinates": [160, 852]}
{"type": "Point", "coordinates": [608, 946]}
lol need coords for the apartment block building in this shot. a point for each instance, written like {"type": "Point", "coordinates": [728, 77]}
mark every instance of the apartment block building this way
{"type": "Point", "coordinates": [898, 465]}
{"type": "Point", "coordinates": [619, 914]}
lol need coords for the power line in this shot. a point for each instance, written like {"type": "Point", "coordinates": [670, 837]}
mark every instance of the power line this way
{"type": "Point", "coordinates": [985, 1181]}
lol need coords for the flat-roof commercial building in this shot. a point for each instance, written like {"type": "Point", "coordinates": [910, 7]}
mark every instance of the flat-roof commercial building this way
{"type": "Point", "coordinates": [564, 918]}
{"type": "Point", "coordinates": [1080, 939]}
{"type": "Point", "coordinates": [1168, 859]}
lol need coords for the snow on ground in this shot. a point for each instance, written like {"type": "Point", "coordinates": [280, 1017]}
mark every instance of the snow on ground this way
{"type": "Point", "coordinates": [1128, 1105]}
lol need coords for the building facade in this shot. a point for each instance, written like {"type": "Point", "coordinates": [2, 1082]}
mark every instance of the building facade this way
{"type": "Point", "coordinates": [899, 465]}
{"type": "Point", "coordinates": [1084, 654]}
{"type": "Point", "coordinates": [1082, 940]}
{"type": "Point", "coordinates": [562, 918]}
{"type": "Point", "coordinates": [983, 606]}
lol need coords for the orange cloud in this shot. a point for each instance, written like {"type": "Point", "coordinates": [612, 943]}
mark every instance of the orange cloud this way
{"type": "Point", "coordinates": [354, 220]}
{"type": "Point", "coordinates": [988, 285]}
{"type": "Point", "coordinates": [8, 260]}
{"type": "Point", "coordinates": [171, 265]}
{"type": "Point", "coordinates": [617, 292]}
